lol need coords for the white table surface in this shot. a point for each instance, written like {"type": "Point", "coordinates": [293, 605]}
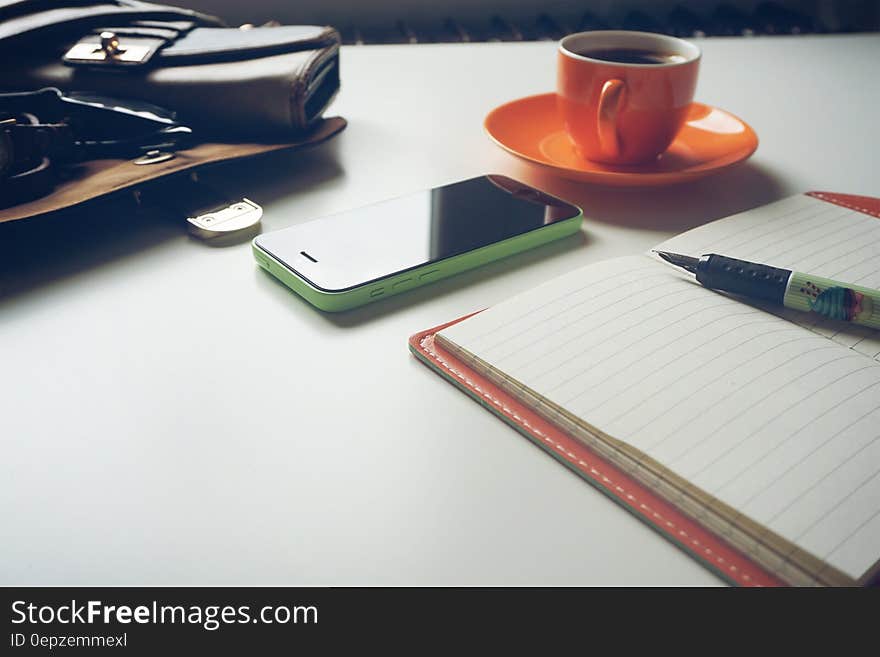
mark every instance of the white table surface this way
{"type": "Point", "coordinates": [169, 414]}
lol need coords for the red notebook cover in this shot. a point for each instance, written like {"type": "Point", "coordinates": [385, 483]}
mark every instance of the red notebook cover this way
{"type": "Point", "coordinates": [708, 548]}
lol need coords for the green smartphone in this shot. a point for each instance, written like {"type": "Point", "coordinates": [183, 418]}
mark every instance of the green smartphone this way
{"type": "Point", "coordinates": [359, 256]}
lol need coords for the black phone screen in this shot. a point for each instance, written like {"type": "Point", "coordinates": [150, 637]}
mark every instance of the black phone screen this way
{"type": "Point", "coordinates": [351, 248]}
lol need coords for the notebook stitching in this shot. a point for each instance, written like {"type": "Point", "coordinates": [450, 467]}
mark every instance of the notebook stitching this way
{"type": "Point", "coordinates": [836, 201]}
{"type": "Point", "coordinates": [560, 449]}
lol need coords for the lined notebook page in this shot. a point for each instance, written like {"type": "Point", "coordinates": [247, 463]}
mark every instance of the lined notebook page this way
{"type": "Point", "coordinates": [775, 420]}
{"type": "Point", "coordinates": [804, 234]}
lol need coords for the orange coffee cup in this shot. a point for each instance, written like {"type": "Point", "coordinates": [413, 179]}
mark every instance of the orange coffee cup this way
{"type": "Point", "coordinates": [623, 96]}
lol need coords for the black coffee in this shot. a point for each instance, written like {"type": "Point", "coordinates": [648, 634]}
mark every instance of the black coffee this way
{"type": "Point", "coordinates": [632, 56]}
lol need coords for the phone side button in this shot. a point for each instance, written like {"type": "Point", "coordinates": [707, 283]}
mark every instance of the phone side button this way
{"type": "Point", "coordinates": [399, 284]}
{"type": "Point", "coordinates": [429, 275]}
{"type": "Point", "coordinates": [379, 291]}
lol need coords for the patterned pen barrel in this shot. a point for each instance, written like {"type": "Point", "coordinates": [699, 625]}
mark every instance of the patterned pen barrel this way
{"type": "Point", "coordinates": [805, 292]}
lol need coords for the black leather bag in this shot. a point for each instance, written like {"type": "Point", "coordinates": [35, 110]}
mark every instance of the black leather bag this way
{"type": "Point", "coordinates": [227, 84]}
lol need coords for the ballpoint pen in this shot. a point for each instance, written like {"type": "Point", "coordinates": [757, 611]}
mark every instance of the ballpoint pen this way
{"type": "Point", "coordinates": [792, 289]}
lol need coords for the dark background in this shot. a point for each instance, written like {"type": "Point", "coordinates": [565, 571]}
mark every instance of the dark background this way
{"type": "Point", "coordinates": [418, 21]}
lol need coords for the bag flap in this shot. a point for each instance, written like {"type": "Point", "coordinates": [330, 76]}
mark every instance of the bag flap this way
{"type": "Point", "coordinates": [32, 25]}
{"type": "Point", "coordinates": [146, 45]}
{"type": "Point", "coordinates": [219, 44]}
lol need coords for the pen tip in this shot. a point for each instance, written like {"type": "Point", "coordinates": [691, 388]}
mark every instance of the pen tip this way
{"type": "Point", "coordinates": [685, 262]}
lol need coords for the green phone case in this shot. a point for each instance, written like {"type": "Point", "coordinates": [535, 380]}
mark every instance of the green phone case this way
{"type": "Point", "coordinates": [418, 276]}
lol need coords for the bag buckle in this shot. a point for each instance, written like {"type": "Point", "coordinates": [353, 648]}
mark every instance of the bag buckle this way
{"type": "Point", "coordinates": [209, 213]}
{"type": "Point", "coordinates": [236, 218]}
{"type": "Point", "coordinates": [106, 48]}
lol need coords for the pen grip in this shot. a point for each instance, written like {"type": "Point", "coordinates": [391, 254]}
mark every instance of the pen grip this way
{"type": "Point", "coordinates": [833, 299]}
{"type": "Point", "coordinates": [741, 277]}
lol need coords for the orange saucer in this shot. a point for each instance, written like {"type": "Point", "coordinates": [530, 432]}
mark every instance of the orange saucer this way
{"type": "Point", "coordinates": [710, 141]}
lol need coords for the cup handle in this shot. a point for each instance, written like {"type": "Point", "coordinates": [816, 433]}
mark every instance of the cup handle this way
{"type": "Point", "coordinates": [611, 99]}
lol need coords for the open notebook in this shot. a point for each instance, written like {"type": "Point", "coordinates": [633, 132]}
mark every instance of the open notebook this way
{"type": "Point", "coordinates": [758, 428]}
